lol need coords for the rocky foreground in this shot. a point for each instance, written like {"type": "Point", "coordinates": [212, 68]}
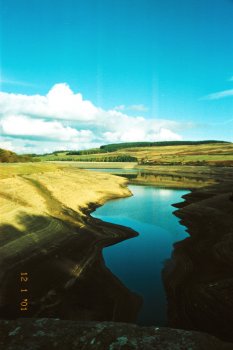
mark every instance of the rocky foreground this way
{"type": "Point", "coordinates": [50, 334]}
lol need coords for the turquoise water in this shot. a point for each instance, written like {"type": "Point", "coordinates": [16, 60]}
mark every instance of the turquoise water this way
{"type": "Point", "coordinates": [138, 261]}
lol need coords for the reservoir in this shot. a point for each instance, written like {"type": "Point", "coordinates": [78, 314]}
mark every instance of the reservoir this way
{"type": "Point", "coordinates": [138, 261]}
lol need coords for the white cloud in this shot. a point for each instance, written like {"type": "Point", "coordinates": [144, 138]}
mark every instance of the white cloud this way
{"type": "Point", "coordinates": [120, 108]}
{"type": "Point", "coordinates": [7, 145]}
{"type": "Point", "coordinates": [19, 125]}
{"type": "Point", "coordinates": [138, 134]}
{"type": "Point", "coordinates": [168, 135]}
{"type": "Point", "coordinates": [219, 95]}
{"type": "Point", "coordinates": [60, 103]}
{"type": "Point", "coordinates": [43, 146]}
{"type": "Point", "coordinates": [63, 119]}
{"type": "Point", "coordinates": [136, 108]}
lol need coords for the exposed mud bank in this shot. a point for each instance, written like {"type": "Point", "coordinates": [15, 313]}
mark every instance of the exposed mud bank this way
{"type": "Point", "coordinates": [199, 277]}
{"type": "Point", "coordinates": [48, 234]}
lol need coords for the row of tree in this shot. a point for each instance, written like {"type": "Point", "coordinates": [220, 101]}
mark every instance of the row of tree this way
{"type": "Point", "coordinates": [116, 146]}
{"type": "Point", "coordinates": [120, 158]}
{"type": "Point", "coordinates": [86, 152]}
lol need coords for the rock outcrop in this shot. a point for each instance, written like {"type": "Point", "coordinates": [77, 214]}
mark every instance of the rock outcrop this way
{"type": "Point", "coordinates": [199, 277]}
{"type": "Point", "coordinates": [51, 334]}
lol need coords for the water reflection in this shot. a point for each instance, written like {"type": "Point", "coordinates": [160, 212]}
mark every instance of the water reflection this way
{"type": "Point", "coordinates": [138, 261]}
{"type": "Point", "coordinates": [145, 177]}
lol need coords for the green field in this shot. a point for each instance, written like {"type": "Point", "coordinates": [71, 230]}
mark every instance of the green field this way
{"type": "Point", "coordinates": [213, 154]}
{"type": "Point", "coordinates": [209, 153]}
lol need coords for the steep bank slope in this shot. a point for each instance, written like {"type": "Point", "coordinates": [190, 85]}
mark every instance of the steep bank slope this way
{"type": "Point", "coordinates": [199, 277]}
{"type": "Point", "coordinates": [46, 233]}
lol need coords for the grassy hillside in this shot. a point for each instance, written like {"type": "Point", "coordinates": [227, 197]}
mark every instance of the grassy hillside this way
{"type": "Point", "coordinates": [117, 146]}
{"type": "Point", "coordinates": [11, 157]}
{"type": "Point", "coordinates": [176, 153]}
{"type": "Point", "coordinates": [42, 204]}
{"type": "Point", "coordinates": [45, 232]}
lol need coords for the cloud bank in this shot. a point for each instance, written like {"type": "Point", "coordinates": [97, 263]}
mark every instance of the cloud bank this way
{"type": "Point", "coordinates": [63, 120]}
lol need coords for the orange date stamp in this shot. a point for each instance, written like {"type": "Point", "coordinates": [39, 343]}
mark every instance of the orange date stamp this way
{"type": "Point", "coordinates": [24, 278]}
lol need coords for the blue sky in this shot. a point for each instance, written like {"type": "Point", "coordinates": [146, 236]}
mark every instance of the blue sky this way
{"type": "Point", "coordinates": [160, 69]}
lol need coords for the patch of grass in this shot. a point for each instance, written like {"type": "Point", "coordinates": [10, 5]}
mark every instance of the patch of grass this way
{"type": "Point", "coordinates": [11, 170]}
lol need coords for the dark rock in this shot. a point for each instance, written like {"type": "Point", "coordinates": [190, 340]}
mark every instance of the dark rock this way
{"type": "Point", "coordinates": [54, 334]}
{"type": "Point", "coordinates": [199, 277]}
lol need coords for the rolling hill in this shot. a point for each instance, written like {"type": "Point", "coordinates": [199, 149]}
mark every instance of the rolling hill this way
{"type": "Point", "coordinates": [213, 153]}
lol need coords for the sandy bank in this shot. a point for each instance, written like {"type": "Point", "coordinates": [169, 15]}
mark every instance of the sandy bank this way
{"type": "Point", "coordinates": [45, 231]}
{"type": "Point", "coordinates": [35, 203]}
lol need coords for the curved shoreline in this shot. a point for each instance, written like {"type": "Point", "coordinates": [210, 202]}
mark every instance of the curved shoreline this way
{"type": "Point", "coordinates": [68, 276]}
{"type": "Point", "coordinates": [199, 277]}
{"type": "Point", "coordinates": [57, 242]}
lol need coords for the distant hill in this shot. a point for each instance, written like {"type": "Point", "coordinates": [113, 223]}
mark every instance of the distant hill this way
{"type": "Point", "coordinates": [212, 153]}
{"type": "Point", "coordinates": [11, 157]}
{"type": "Point", "coordinates": [116, 146]}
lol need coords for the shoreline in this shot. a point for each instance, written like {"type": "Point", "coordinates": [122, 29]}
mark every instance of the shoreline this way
{"type": "Point", "coordinates": [71, 281]}
{"type": "Point", "coordinates": [198, 278]}
{"type": "Point", "coordinates": [59, 245]}
{"type": "Point", "coordinates": [166, 176]}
